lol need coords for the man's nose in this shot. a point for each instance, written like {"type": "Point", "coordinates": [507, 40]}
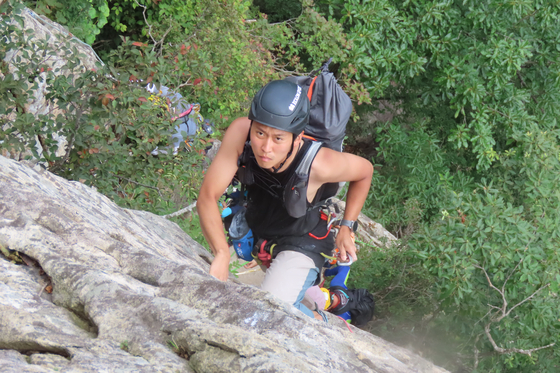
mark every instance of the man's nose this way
{"type": "Point", "coordinates": [267, 145]}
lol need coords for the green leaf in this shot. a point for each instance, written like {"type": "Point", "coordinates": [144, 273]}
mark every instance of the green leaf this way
{"type": "Point", "coordinates": [92, 12]}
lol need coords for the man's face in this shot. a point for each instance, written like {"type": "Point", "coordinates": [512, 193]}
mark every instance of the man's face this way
{"type": "Point", "coordinates": [270, 146]}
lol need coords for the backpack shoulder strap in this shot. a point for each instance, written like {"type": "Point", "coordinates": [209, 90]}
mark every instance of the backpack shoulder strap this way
{"type": "Point", "coordinates": [244, 173]}
{"type": "Point", "coordinates": [303, 174]}
{"type": "Point", "coordinates": [305, 165]}
{"type": "Point", "coordinates": [295, 190]}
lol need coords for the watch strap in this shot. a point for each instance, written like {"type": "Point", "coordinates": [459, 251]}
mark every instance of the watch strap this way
{"type": "Point", "coordinates": [352, 224]}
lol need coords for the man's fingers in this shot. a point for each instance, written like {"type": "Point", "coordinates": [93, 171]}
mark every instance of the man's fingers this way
{"type": "Point", "coordinates": [352, 252]}
{"type": "Point", "coordinates": [220, 267]}
{"type": "Point", "coordinates": [251, 264]}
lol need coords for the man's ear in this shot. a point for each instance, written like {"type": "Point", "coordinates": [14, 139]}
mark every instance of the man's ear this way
{"type": "Point", "coordinates": [299, 137]}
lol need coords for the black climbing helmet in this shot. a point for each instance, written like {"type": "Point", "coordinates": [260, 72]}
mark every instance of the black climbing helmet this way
{"type": "Point", "coordinates": [282, 105]}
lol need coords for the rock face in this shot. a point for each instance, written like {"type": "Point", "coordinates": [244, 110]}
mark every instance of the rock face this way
{"type": "Point", "coordinates": [130, 292]}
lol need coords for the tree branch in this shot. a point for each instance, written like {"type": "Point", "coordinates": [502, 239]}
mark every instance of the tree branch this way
{"type": "Point", "coordinates": [504, 304]}
{"type": "Point", "coordinates": [156, 43]}
{"type": "Point", "coordinates": [135, 182]}
{"type": "Point", "coordinates": [511, 350]}
{"type": "Point", "coordinates": [526, 299]}
{"type": "Point", "coordinates": [504, 313]}
{"type": "Point", "coordinates": [511, 273]}
{"type": "Point", "coordinates": [476, 352]}
{"type": "Point", "coordinates": [184, 84]}
{"type": "Point", "coordinates": [180, 212]}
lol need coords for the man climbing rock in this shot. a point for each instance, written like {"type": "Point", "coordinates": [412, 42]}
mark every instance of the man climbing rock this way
{"type": "Point", "coordinates": [270, 146]}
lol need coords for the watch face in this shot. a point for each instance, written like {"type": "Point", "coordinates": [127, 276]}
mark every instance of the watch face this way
{"type": "Point", "coordinates": [353, 225]}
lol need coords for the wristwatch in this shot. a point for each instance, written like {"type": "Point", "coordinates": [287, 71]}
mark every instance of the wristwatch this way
{"type": "Point", "coordinates": [352, 224]}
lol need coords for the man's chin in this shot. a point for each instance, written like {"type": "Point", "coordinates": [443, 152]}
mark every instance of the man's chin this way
{"type": "Point", "coordinates": [266, 165]}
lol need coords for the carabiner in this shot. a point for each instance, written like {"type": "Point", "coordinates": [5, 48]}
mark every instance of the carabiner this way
{"type": "Point", "coordinates": [345, 264]}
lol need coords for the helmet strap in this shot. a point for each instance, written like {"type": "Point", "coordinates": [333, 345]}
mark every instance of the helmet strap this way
{"type": "Point", "coordinates": [274, 169]}
{"type": "Point", "coordinates": [335, 301]}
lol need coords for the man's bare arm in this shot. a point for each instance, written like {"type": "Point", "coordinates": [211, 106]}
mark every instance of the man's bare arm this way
{"type": "Point", "coordinates": [218, 177]}
{"type": "Point", "coordinates": [330, 166]}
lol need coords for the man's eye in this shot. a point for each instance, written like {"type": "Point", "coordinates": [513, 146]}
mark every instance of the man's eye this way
{"type": "Point", "coordinates": [279, 138]}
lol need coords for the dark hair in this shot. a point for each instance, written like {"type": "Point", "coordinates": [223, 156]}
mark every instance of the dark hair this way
{"type": "Point", "coordinates": [362, 306]}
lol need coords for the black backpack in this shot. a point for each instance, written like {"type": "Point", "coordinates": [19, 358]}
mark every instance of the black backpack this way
{"type": "Point", "coordinates": [330, 107]}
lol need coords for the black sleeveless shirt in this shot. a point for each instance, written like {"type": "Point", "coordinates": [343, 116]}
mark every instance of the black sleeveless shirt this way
{"type": "Point", "coordinates": [266, 214]}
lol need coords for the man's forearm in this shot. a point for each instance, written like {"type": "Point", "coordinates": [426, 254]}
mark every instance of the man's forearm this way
{"type": "Point", "coordinates": [211, 225]}
{"type": "Point", "coordinates": [356, 197]}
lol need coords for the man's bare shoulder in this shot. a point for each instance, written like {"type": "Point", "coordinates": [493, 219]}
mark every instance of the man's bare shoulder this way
{"type": "Point", "coordinates": [326, 157]}
{"type": "Point", "coordinates": [236, 135]}
{"type": "Point", "coordinates": [239, 126]}
{"type": "Point", "coordinates": [333, 166]}
{"type": "Point", "coordinates": [224, 165]}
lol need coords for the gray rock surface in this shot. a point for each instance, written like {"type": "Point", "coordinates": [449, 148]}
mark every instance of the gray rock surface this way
{"type": "Point", "coordinates": [131, 293]}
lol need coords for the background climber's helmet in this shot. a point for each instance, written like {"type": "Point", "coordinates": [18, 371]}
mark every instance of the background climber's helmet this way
{"type": "Point", "coordinates": [282, 105]}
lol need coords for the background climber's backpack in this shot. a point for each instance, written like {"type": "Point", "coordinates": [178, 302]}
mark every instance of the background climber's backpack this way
{"type": "Point", "coordinates": [330, 107]}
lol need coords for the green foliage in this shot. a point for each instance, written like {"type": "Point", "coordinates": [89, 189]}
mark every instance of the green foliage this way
{"type": "Point", "coordinates": [408, 190]}
{"type": "Point", "coordinates": [474, 89]}
{"type": "Point", "coordinates": [205, 50]}
{"type": "Point", "coordinates": [130, 15]}
{"type": "Point", "coordinates": [494, 64]}
{"type": "Point", "coordinates": [498, 243]}
{"type": "Point", "coordinates": [236, 265]}
{"type": "Point", "coordinates": [223, 51]}
{"type": "Point", "coordinates": [191, 223]}
{"type": "Point", "coordinates": [124, 346]}
{"type": "Point", "coordinates": [109, 123]}
{"type": "Point", "coordinates": [93, 15]}
{"type": "Point", "coordinates": [392, 273]}
{"type": "Point", "coordinates": [11, 255]}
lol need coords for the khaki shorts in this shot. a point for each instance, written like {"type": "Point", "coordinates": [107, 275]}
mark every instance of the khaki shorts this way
{"type": "Point", "coordinates": [289, 276]}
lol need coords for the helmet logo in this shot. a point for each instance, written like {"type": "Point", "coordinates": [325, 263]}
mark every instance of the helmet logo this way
{"type": "Point", "coordinates": [296, 99]}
